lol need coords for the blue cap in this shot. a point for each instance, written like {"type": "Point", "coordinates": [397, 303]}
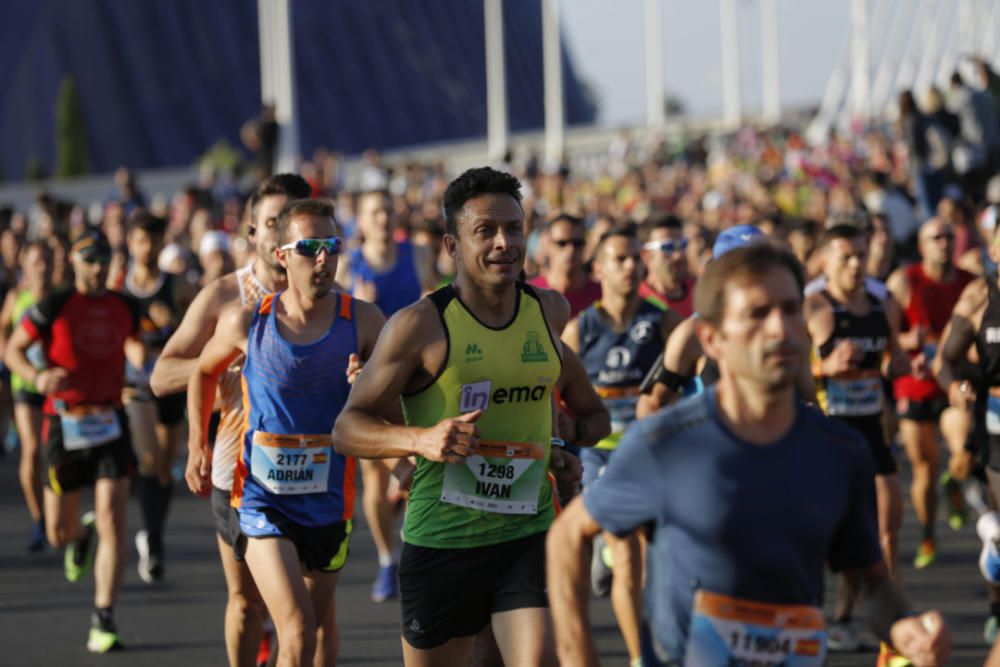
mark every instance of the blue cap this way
{"type": "Point", "coordinates": [735, 237]}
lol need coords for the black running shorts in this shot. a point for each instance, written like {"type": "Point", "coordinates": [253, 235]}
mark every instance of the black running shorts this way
{"type": "Point", "coordinates": [874, 433]}
{"type": "Point", "coordinates": [76, 469]}
{"type": "Point", "coordinates": [449, 593]}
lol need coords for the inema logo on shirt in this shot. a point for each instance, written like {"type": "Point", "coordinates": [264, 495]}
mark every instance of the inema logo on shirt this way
{"type": "Point", "coordinates": [479, 395]}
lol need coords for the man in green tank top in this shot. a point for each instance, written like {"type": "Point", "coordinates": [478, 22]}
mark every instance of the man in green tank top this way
{"type": "Point", "coordinates": [475, 365]}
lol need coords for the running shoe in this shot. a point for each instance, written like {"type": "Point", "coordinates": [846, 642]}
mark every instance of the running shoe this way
{"type": "Point", "coordinates": [958, 511]}
{"type": "Point", "coordinates": [79, 557]}
{"type": "Point", "coordinates": [926, 555]}
{"type": "Point", "coordinates": [601, 568]}
{"type": "Point", "coordinates": [103, 635]}
{"type": "Point", "coordinates": [150, 567]}
{"type": "Point", "coordinates": [37, 540]}
{"type": "Point", "coordinates": [887, 657]}
{"type": "Point", "coordinates": [386, 586]}
{"type": "Point", "coordinates": [842, 637]}
{"type": "Point", "coordinates": [990, 630]}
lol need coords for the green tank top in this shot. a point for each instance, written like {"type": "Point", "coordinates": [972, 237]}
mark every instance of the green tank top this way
{"type": "Point", "coordinates": [25, 300]}
{"type": "Point", "coordinates": [503, 493]}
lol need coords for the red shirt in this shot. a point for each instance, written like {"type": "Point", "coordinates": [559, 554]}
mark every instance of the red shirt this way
{"type": "Point", "coordinates": [684, 305]}
{"type": "Point", "coordinates": [931, 303]}
{"type": "Point", "coordinates": [85, 335]}
{"type": "Point", "coordinates": [579, 299]}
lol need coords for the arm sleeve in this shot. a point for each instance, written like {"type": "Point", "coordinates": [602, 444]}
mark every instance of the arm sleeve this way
{"type": "Point", "coordinates": [855, 543]}
{"type": "Point", "coordinates": [625, 496]}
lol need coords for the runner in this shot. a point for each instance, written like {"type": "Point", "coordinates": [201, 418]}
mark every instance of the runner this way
{"type": "Point", "coordinates": [294, 495]}
{"type": "Point", "coordinates": [854, 334]}
{"type": "Point", "coordinates": [84, 330]}
{"type": "Point", "coordinates": [245, 611]}
{"type": "Point", "coordinates": [36, 283]}
{"type": "Point", "coordinates": [927, 291]}
{"type": "Point", "coordinates": [391, 275]}
{"type": "Point", "coordinates": [975, 324]}
{"type": "Point", "coordinates": [734, 576]}
{"type": "Point", "coordinates": [618, 340]}
{"type": "Point", "coordinates": [155, 424]}
{"type": "Point", "coordinates": [564, 271]}
{"type": "Point", "coordinates": [664, 253]}
{"type": "Point", "coordinates": [475, 363]}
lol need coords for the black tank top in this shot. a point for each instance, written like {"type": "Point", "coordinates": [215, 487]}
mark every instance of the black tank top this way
{"type": "Point", "coordinates": [987, 407]}
{"type": "Point", "coordinates": [160, 296]}
{"type": "Point", "coordinates": [861, 391]}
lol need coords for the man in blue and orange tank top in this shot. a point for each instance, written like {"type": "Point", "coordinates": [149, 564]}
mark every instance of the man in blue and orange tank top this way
{"type": "Point", "coordinates": [475, 363]}
{"type": "Point", "coordinates": [293, 493]}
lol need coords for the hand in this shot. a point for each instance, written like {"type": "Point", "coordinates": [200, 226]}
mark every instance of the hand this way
{"type": "Point", "coordinates": [452, 440]}
{"type": "Point", "coordinates": [354, 366]}
{"type": "Point", "coordinates": [840, 360]}
{"type": "Point", "coordinates": [924, 639]}
{"type": "Point", "coordinates": [198, 472]}
{"type": "Point", "coordinates": [960, 394]}
{"type": "Point", "coordinates": [568, 472]}
{"type": "Point", "coordinates": [919, 367]}
{"type": "Point", "coordinates": [51, 380]}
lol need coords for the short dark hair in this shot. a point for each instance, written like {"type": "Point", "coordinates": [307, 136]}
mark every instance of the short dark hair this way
{"type": "Point", "coordinates": [145, 221]}
{"type": "Point", "coordinates": [669, 221]}
{"type": "Point", "coordinates": [571, 220]}
{"type": "Point", "coordinates": [473, 183]}
{"type": "Point", "coordinates": [752, 260]}
{"type": "Point", "coordinates": [299, 208]}
{"type": "Point", "coordinates": [625, 230]}
{"type": "Point", "coordinates": [846, 232]}
{"type": "Point", "coordinates": [291, 185]}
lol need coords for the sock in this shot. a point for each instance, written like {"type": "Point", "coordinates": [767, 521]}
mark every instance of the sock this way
{"type": "Point", "coordinates": [975, 496]}
{"type": "Point", "coordinates": [147, 489]}
{"type": "Point", "coordinates": [995, 609]}
{"type": "Point", "coordinates": [163, 495]}
{"type": "Point", "coordinates": [928, 532]}
{"type": "Point", "coordinates": [385, 560]}
{"type": "Point", "coordinates": [102, 618]}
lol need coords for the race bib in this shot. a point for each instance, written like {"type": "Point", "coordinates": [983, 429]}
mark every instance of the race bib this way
{"type": "Point", "coordinates": [291, 465]}
{"type": "Point", "coordinates": [93, 428]}
{"type": "Point", "coordinates": [854, 398]}
{"type": "Point", "coordinates": [993, 415]}
{"type": "Point", "coordinates": [502, 478]}
{"type": "Point", "coordinates": [729, 632]}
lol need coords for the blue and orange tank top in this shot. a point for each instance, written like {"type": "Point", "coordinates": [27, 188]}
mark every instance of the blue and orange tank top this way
{"type": "Point", "coordinates": [293, 394]}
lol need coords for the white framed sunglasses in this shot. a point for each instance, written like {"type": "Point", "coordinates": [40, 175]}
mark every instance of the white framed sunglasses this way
{"type": "Point", "coordinates": [312, 247]}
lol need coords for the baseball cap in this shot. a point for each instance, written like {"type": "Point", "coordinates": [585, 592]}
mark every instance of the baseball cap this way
{"type": "Point", "coordinates": [988, 528]}
{"type": "Point", "coordinates": [91, 244]}
{"type": "Point", "coordinates": [735, 237]}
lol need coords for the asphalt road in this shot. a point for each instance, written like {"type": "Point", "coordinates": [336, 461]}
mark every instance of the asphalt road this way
{"type": "Point", "coordinates": [44, 619]}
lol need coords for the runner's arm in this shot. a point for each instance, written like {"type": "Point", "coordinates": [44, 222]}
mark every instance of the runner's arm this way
{"type": "Point", "coordinates": [179, 358]}
{"type": "Point", "coordinates": [897, 362]}
{"type": "Point", "coordinates": [228, 342]}
{"type": "Point", "coordinates": [370, 322]}
{"type": "Point", "coordinates": [923, 638]}
{"type": "Point", "coordinates": [15, 354]}
{"type": "Point", "coordinates": [568, 579]}
{"type": "Point", "coordinates": [680, 361]}
{"type": "Point", "coordinates": [910, 337]}
{"type": "Point", "coordinates": [590, 421]}
{"type": "Point", "coordinates": [362, 431]}
{"type": "Point", "coordinates": [959, 336]}
{"type": "Point", "coordinates": [6, 319]}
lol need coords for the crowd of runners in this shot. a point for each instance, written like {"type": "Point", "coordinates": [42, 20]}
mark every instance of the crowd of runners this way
{"type": "Point", "coordinates": [683, 377]}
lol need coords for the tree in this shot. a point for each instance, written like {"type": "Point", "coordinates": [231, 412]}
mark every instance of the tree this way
{"type": "Point", "coordinates": [72, 151]}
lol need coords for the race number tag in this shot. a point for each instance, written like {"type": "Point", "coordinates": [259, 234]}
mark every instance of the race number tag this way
{"type": "Point", "coordinates": [93, 428]}
{"type": "Point", "coordinates": [993, 415]}
{"type": "Point", "coordinates": [290, 467]}
{"type": "Point", "coordinates": [854, 398]}
{"type": "Point", "coordinates": [502, 478]}
{"type": "Point", "coordinates": [729, 632]}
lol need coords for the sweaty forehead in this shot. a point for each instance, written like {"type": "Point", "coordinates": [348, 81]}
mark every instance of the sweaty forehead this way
{"type": "Point", "coordinates": [776, 286]}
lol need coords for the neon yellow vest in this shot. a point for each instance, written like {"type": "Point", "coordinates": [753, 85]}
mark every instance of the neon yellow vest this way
{"type": "Point", "coordinates": [509, 373]}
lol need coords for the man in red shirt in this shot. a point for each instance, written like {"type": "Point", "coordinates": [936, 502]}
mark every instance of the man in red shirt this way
{"type": "Point", "coordinates": [84, 330]}
{"type": "Point", "coordinates": [927, 291]}
{"type": "Point", "coordinates": [564, 272]}
{"type": "Point", "coordinates": [668, 283]}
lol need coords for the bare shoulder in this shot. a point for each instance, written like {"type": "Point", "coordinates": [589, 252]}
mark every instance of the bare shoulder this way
{"type": "Point", "coordinates": [555, 306]}
{"type": "Point", "coordinates": [815, 304]}
{"type": "Point", "coordinates": [974, 297]}
{"type": "Point", "coordinates": [416, 325]}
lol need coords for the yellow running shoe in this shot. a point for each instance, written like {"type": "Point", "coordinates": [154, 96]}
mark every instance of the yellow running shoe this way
{"type": "Point", "coordinates": [926, 555]}
{"type": "Point", "coordinates": [887, 657]}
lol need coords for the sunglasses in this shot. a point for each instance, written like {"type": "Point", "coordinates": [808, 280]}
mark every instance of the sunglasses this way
{"type": "Point", "coordinates": [312, 247]}
{"type": "Point", "coordinates": [576, 243]}
{"type": "Point", "coordinates": [667, 247]}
